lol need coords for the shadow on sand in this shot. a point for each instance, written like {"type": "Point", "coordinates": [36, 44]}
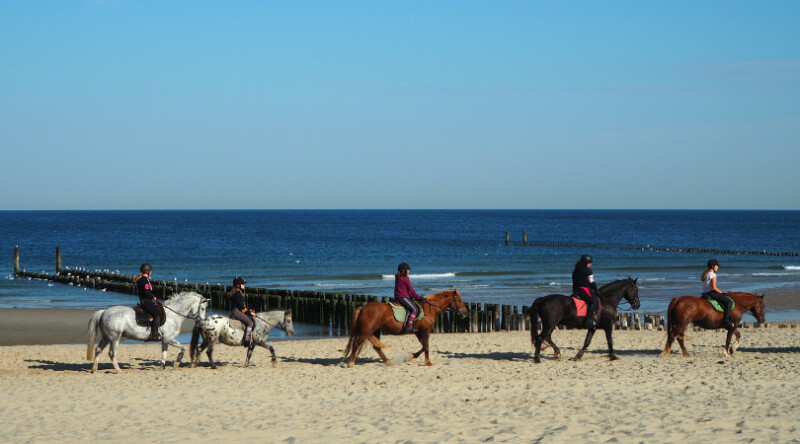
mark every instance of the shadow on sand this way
{"type": "Point", "coordinates": [71, 367]}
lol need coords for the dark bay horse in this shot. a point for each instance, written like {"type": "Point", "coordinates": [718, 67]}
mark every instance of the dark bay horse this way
{"type": "Point", "coordinates": [685, 310]}
{"type": "Point", "coordinates": [375, 318]}
{"type": "Point", "coordinates": [557, 309]}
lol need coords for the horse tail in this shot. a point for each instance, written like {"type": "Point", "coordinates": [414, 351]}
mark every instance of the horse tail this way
{"type": "Point", "coordinates": [92, 331]}
{"type": "Point", "coordinates": [534, 322]}
{"type": "Point", "coordinates": [195, 340]}
{"type": "Point", "coordinates": [354, 331]}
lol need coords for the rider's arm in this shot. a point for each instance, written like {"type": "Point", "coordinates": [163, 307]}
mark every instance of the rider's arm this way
{"type": "Point", "coordinates": [714, 285]}
{"type": "Point", "coordinates": [411, 291]}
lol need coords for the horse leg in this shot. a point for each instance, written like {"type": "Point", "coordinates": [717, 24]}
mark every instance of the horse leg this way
{"type": "Point", "coordinates": [613, 356]}
{"type": "Point", "coordinates": [547, 330]}
{"type": "Point", "coordinates": [589, 336]}
{"type": "Point", "coordinates": [178, 359]}
{"type": "Point", "coordinates": [680, 329]}
{"type": "Point", "coordinates": [112, 352]}
{"type": "Point", "coordinates": [272, 352]}
{"type": "Point", "coordinates": [164, 347]}
{"type": "Point", "coordinates": [209, 352]}
{"type": "Point", "coordinates": [357, 342]}
{"type": "Point", "coordinates": [670, 340]}
{"type": "Point", "coordinates": [250, 349]}
{"type": "Point", "coordinates": [99, 349]}
{"type": "Point", "coordinates": [200, 350]}
{"type": "Point", "coordinates": [556, 350]}
{"type": "Point", "coordinates": [424, 336]}
{"type": "Point", "coordinates": [727, 348]}
{"type": "Point", "coordinates": [735, 345]}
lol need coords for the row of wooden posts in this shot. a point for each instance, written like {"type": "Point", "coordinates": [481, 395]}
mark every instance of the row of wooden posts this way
{"type": "Point", "coordinates": [332, 310]}
{"type": "Point", "coordinates": [646, 248]}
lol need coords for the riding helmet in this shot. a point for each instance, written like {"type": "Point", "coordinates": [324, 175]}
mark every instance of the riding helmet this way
{"type": "Point", "coordinates": [586, 259]}
{"type": "Point", "coordinates": [145, 268]}
{"type": "Point", "coordinates": [238, 280]}
{"type": "Point", "coordinates": [403, 267]}
{"type": "Point", "coordinates": [711, 263]}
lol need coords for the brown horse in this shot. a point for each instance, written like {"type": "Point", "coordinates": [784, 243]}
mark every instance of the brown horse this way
{"type": "Point", "coordinates": [375, 318]}
{"type": "Point", "coordinates": [685, 310]}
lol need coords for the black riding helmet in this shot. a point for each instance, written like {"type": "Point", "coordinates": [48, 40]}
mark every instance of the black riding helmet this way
{"type": "Point", "coordinates": [238, 280]}
{"type": "Point", "coordinates": [145, 268]}
{"type": "Point", "coordinates": [403, 267]}
{"type": "Point", "coordinates": [587, 259]}
{"type": "Point", "coordinates": [711, 263]}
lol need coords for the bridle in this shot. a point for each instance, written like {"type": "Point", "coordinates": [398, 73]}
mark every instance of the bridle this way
{"type": "Point", "coordinates": [447, 308]}
{"type": "Point", "coordinates": [196, 316]}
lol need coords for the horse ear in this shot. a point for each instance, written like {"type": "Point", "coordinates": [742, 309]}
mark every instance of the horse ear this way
{"type": "Point", "coordinates": [762, 296]}
{"type": "Point", "coordinates": [636, 280]}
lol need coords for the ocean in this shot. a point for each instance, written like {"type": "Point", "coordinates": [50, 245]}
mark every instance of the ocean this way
{"type": "Point", "coordinates": [355, 251]}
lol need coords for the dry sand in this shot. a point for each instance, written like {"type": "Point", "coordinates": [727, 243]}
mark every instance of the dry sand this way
{"type": "Point", "coordinates": [482, 387]}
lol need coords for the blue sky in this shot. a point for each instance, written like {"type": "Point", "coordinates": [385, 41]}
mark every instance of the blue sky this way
{"type": "Point", "coordinates": [122, 104]}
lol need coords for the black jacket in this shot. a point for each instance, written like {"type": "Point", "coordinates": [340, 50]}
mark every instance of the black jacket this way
{"type": "Point", "coordinates": [582, 276]}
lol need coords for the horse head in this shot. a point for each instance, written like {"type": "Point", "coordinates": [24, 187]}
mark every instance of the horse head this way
{"type": "Point", "coordinates": [758, 310]}
{"type": "Point", "coordinates": [632, 293]}
{"type": "Point", "coordinates": [202, 305]}
{"type": "Point", "coordinates": [287, 324]}
{"type": "Point", "coordinates": [458, 306]}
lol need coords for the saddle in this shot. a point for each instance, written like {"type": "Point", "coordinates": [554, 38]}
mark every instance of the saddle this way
{"type": "Point", "coordinates": [715, 305]}
{"type": "Point", "coordinates": [144, 318]}
{"type": "Point", "coordinates": [581, 307]}
{"type": "Point", "coordinates": [401, 314]}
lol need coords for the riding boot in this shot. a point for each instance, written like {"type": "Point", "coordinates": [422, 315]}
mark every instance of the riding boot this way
{"type": "Point", "coordinates": [591, 322]}
{"type": "Point", "coordinates": [246, 341]}
{"type": "Point", "coordinates": [726, 319]}
{"type": "Point", "coordinates": [410, 324]}
{"type": "Point", "coordinates": [154, 336]}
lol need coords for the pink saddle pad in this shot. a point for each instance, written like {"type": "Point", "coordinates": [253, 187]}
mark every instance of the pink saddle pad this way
{"type": "Point", "coordinates": [580, 306]}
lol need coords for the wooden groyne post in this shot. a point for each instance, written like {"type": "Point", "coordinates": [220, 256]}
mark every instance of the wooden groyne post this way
{"type": "Point", "coordinates": [16, 260]}
{"type": "Point", "coordinates": [508, 239]}
{"type": "Point", "coordinates": [524, 238]}
{"type": "Point", "coordinates": [58, 260]}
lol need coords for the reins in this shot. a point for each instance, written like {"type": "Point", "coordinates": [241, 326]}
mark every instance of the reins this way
{"type": "Point", "coordinates": [196, 316]}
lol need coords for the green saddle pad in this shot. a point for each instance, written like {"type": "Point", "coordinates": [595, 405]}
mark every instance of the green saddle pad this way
{"type": "Point", "coordinates": [718, 307]}
{"type": "Point", "coordinates": [400, 312]}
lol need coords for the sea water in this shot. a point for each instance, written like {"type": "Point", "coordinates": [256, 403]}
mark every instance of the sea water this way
{"type": "Point", "coordinates": [354, 251]}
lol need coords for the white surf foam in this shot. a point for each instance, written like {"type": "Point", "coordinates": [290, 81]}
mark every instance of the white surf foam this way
{"type": "Point", "coordinates": [791, 267]}
{"type": "Point", "coordinates": [417, 277]}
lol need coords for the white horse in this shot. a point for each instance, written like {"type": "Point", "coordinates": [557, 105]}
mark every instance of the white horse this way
{"type": "Point", "coordinates": [218, 328]}
{"type": "Point", "coordinates": [119, 321]}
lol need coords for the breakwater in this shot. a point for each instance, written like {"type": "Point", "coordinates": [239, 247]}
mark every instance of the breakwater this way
{"type": "Point", "coordinates": [333, 310]}
{"type": "Point", "coordinates": [647, 248]}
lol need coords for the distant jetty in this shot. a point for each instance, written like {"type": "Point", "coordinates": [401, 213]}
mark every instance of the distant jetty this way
{"type": "Point", "coordinates": [645, 248]}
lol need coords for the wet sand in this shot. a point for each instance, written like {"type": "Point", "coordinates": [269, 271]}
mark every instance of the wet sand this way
{"type": "Point", "coordinates": [482, 387]}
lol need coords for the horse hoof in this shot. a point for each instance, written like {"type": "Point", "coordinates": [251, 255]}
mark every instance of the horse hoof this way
{"type": "Point", "coordinates": [537, 360]}
{"type": "Point", "coordinates": [613, 358]}
{"type": "Point", "coordinates": [576, 358]}
{"type": "Point", "coordinates": [351, 364]}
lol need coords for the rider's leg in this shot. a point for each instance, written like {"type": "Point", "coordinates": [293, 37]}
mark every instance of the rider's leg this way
{"type": "Point", "coordinates": [412, 310]}
{"type": "Point", "coordinates": [248, 323]}
{"type": "Point", "coordinates": [725, 302]}
{"type": "Point", "coordinates": [151, 308]}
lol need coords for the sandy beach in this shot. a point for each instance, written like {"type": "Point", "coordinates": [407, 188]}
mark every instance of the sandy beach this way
{"type": "Point", "coordinates": [482, 387]}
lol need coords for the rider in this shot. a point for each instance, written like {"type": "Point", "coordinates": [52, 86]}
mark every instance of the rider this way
{"type": "Point", "coordinates": [147, 299]}
{"type": "Point", "coordinates": [584, 286]}
{"type": "Point", "coordinates": [710, 291]}
{"type": "Point", "coordinates": [403, 291]}
{"type": "Point", "coordinates": [239, 310]}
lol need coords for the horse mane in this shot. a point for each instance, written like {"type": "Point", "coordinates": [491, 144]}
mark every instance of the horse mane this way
{"type": "Point", "coordinates": [439, 294]}
{"type": "Point", "coordinates": [614, 284]}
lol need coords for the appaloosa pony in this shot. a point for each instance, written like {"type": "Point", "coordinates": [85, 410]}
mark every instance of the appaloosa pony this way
{"type": "Point", "coordinates": [685, 310]}
{"type": "Point", "coordinates": [375, 318]}
{"type": "Point", "coordinates": [229, 331]}
{"type": "Point", "coordinates": [557, 309]}
{"type": "Point", "coordinates": [119, 321]}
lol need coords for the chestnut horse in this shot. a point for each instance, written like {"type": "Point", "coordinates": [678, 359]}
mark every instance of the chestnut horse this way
{"type": "Point", "coordinates": [370, 320]}
{"type": "Point", "coordinates": [685, 310]}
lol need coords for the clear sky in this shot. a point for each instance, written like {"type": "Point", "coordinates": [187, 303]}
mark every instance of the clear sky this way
{"type": "Point", "coordinates": [493, 104]}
